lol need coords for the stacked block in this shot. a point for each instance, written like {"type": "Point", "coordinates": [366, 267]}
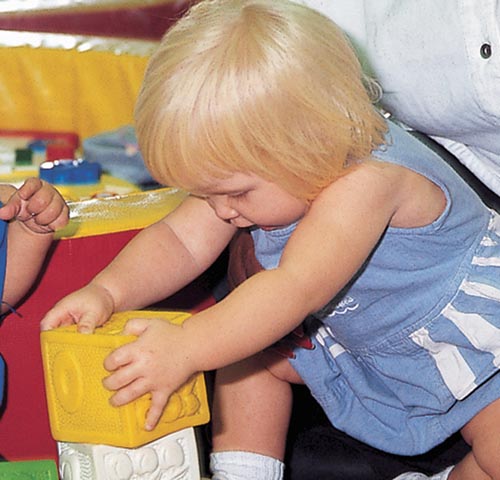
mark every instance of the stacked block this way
{"type": "Point", "coordinates": [78, 404]}
{"type": "Point", "coordinates": [32, 470]}
{"type": "Point", "coordinates": [171, 457]}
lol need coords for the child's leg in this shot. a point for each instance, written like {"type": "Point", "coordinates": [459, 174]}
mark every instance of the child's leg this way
{"type": "Point", "coordinates": [483, 434]}
{"type": "Point", "coordinates": [252, 408]}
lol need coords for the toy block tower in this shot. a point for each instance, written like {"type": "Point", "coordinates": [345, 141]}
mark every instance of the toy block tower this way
{"type": "Point", "coordinates": [78, 403]}
{"type": "Point", "coordinates": [173, 457]}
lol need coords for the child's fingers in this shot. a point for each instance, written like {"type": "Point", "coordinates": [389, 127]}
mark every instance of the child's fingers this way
{"type": "Point", "coordinates": [119, 357]}
{"type": "Point", "coordinates": [88, 322]}
{"type": "Point", "coordinates": [55, 319]}
{"type": "Point", "coordinates": [36, 203]}
{"type": "Point", "coordinates": [41, 198]}
{"type": "Point", "coordinates": [10, 210]}
{"type": "Point", "coordinates": [46, 199]}
{"type": "Point", "coordinates": [136, 326]}
{"type": "Point", "coordinates": [120, 378]}
{"type": "Point", "coordinates": [132, 389]}
{"type": "Point", "coordinates": [53, 216]}
{"type": "Point", "coordinates": [30, 187]}
{"type": "Point", "coordinates": [60, 317]}
{"type": "Point", "coordinates": [129, 393]}
{"type": "Point", "coordinates": [158, 401]}
{"type": "Point", "coordinates": [60, 221]}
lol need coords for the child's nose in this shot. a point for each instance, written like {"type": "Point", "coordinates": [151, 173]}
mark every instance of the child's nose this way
{"type": "Point", "coordinates": [223, 208]}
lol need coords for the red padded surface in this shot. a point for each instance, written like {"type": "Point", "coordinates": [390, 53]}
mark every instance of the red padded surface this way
{"type": "Point", "coordinates": [148, 22]}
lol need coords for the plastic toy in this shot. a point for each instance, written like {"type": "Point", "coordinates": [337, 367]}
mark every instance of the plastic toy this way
{"type": "Point", "coordinates": [33, 470]}
{"type": "Point", "coordinates": [70, 171]}
{"type": "Point", "coordinates": [78, 404]}
{"type": "Point", "coordinates": [21, 149]}
{"type": "Point", "coordinates": [171, 457]}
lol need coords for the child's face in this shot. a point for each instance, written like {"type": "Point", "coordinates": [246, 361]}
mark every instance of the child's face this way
{"type": "Point", "coordinates": [245, 200]}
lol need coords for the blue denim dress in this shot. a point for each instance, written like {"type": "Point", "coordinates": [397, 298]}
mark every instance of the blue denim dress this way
{"type": "Point", "coordinates": [409, 351]}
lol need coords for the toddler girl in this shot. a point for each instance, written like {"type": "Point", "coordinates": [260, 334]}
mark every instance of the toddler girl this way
{"type": "Point", "coordinates": [260, 110]}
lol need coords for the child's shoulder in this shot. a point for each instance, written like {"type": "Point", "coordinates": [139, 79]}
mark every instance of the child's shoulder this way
{"type": "Point", "coordinates": [413, 199]}
{"type": "Point", "coordinates": [370, 176]}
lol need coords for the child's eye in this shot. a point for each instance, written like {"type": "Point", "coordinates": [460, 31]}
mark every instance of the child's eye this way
{"type": "Point", "coordinates": [238, 195]}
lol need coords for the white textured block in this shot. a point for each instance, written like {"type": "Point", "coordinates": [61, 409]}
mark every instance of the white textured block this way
{"type": "Point", "coordinates": [173, 457]}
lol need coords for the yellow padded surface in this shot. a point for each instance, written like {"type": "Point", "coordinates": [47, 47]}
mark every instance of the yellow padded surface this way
{"type": "Point", "coordinates": [86, 85]}
{"type": "Point", "coordinates": [118, 214]}
{"type": "Point", "coordinates": [87, 89]}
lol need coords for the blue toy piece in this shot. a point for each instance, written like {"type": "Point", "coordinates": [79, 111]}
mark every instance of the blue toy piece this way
{"type": "Point", "coordinates": [70, 172]}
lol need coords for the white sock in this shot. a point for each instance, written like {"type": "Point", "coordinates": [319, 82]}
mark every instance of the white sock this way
{"type": "Point", "coordinates": [443, 475]}
{"type": "Point", "coordinates": [421, 476]}
{"type": "Point", "coordinates": [237, 465]}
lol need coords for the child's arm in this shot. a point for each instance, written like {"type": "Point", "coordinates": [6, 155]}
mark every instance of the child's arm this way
{"type": "Point", "coordinates": [34, 212]}
{"type": "Point", "coordinates": [158, 262]}
{"type": "Point", "coordinates": [328, 247]}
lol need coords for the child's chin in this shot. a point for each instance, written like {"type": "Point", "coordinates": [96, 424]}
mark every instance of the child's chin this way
{"type": "Point", "coordinates": [241, 224]}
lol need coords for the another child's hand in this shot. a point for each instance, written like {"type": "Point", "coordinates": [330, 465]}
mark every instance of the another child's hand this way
{"type": "Point", "coordinates": [38, 206]}
{"type": "Point", "coordinates": [158, 362]}
{"type": "Point", "coordinates": [88, 307]}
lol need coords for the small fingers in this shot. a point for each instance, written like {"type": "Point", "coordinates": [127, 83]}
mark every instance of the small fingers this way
{"type": "Point", "coordinates": [129, 388]}
{"type": "Point", "coordinates": [136, 326]}
{"type": "Point", "coordinates": [48, 216]}
{"type": "Point", "coordinates": [53, 320]}
{"type": "Point", "coordinates": [88, 322]}
{"type": "Point", "coordinates": [119, 357]}
{"type": "Point", "coordinates": [10, 209]}
{"type": "Point", "coordinates": [54, 216]}
{"type": "Point", "coordinates": [30, 187]}
{"type": "Point", "coordinates": [62, 317]}
{"type": "Point", "coordinates": [129, 393]}
{"type": "Point", "coordinates": [158, 402]}
{"type": "Point", "coordinates": [120, 377]}
{"type": "Point", "coordinates": [41, 202]}
{"type": "Point", "coordinates": [61, 219]}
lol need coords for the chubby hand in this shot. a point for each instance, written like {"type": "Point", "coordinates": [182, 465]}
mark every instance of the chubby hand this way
{"type": "Point", "coordinates": [159, 362]}
{"type": "Point", "coordinates": [38, 206]}
{"type": "Point", "coordinates": [89, 307]}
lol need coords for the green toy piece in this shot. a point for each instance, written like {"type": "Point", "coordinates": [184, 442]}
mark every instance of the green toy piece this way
{"type": "Point", "coordinates": [29, 470]}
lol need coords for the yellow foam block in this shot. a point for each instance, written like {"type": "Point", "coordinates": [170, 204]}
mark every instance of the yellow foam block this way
{"type": "Point", "coordinates": [78, 404]}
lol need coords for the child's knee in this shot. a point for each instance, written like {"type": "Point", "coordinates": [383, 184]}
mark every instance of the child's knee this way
{"type": "Point", "coordinates": [483, 434]}
{"type": "Point", "coordinates": [487, 455]}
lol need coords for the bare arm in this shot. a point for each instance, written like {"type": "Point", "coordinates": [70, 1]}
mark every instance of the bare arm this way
{"type": "Point", "coordinates": [158, 262]}
{"type": "Point", "coordinates": [166, 256]}
{"type": "Point", "coordinates": [328, 247]}
{"type": "Point", "coordinates": [34, 212]}
{"type": "Point", "coordinates": [330, 244]}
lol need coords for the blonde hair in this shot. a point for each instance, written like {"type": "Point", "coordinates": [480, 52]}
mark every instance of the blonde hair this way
{"type": "Point", "coordinates": [267, 87]}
